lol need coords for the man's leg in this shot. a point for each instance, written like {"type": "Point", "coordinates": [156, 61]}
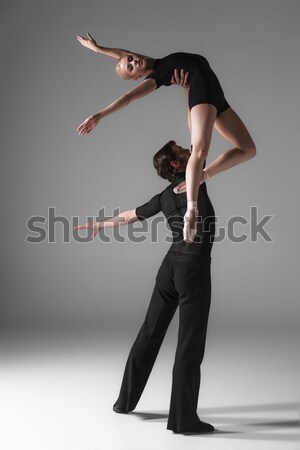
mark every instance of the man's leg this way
{"type": "Point", "coordinates": [163, 304]}
{"type": "Point", "coordinates": [192, 280]}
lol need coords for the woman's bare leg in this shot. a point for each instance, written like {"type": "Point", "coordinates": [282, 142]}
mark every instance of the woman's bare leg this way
{"type": "Point", "coordinates": [202, 122]}
{"type": "Point", "coordinates": [230, 126]}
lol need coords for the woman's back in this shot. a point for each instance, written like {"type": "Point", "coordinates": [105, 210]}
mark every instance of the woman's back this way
{"type": "Point", "coordinates": [163, 69]}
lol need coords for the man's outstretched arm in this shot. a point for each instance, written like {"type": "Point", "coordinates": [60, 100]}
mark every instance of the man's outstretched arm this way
{"type": "Point", "coordinates": [142, 212]}
{"type": "Point", "coordinates": [123, 218]}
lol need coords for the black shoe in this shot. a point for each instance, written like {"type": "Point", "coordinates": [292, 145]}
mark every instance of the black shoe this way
{"type": "Point", "coordinates": [200, 428]}
{"type": "Point", "coordinates": [120, 410]}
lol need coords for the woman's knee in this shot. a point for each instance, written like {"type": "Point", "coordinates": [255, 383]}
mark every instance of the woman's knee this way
{"type": "Point", "coordinates": [250, 150]}
{"type": "Point", "coordinates": [201, 148]}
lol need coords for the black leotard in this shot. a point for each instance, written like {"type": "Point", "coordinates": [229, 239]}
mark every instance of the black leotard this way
{"type": "Point", "coordinates": [174, 207]}
{"type": "Point", "coordinates": [204, 85]}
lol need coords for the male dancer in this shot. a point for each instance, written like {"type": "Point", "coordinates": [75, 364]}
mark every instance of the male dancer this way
{"type": "Point", "coordinates": [183, 280]}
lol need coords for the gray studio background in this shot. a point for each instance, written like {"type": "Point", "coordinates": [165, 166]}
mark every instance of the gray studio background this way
{"type": "Point", "coordinates": [50, 84]}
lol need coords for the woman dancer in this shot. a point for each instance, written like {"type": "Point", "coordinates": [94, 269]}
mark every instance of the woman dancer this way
{"type": "Point", "coordinates": [208, 108]}
{"type": "Point", "coordinates": [183, 281]}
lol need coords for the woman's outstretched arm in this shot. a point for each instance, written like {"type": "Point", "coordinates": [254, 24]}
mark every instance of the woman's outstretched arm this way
{"type": "Point", "coordinates": [139, 91]}
{"type": "Point", "coordinates": [90, 43]}
{"type": "Point", "coordinates": [123, 218]}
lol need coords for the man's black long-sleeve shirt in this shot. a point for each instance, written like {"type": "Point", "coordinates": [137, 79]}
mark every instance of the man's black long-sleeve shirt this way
{"type": "Point", "coordinates": [174, 206]}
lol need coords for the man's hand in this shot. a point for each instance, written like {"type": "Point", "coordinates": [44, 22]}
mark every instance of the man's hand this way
{"type": "Point", "coordinates": [180, 79]}
{"type": "Point", "coordinates": [88, 42]}
{"type": "Point", "coordinates": [88, 124]}
{"type": "Point", "coordinates": [181, 187]}
{"type": "Point", "coordinates": [95, 226]}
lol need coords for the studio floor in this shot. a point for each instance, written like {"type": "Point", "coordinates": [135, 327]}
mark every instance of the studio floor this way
{"type": "Point", "coordinates": [58, 388]}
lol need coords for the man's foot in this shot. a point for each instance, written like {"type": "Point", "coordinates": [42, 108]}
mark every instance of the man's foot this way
{"type": "Point", "coordinates": [120, 410]}
{"type": "Point", "coordinates": [200, 428]}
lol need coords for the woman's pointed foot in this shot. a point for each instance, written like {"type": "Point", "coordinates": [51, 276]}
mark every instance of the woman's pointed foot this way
{"type": "Point", "coordinates": [188, 232]}
{"type": "Point", "coordinates": [190, 222]}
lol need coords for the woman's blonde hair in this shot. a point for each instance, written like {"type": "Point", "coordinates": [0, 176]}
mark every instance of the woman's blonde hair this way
{"type": "Point", "coordinates": [120, 73]}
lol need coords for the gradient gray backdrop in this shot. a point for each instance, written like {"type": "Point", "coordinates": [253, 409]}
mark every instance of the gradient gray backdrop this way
{"type": "Point", "coordinates": [50, 84]}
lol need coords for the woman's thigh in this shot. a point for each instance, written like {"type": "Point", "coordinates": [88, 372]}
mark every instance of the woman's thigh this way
{"type": "Point", "coordinates": [203, 117]}
{"type": "Point", "coordinates": [230, 126]}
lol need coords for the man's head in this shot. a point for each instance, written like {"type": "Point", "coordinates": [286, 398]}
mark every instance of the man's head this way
{"type": "Point", "coordinates": [131, 67]}
{"type": "Point", "coordinates": [171, 158]}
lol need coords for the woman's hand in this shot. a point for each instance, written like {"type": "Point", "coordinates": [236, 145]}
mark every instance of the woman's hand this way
{"type": "Point", "coordinates": [95, 226]}
{"type": "Point", "coordinates": [88, 42]}
{"type": "Point", "coordinates": [89, 124]}
{"type": "Point", "coordinates": [180, 79]}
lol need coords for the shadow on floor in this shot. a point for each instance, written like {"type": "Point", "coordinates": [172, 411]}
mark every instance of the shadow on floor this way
{"type": "Point", "coordinates": [150, 416]}
{"type": "Point", "coordinates": [232, 421]}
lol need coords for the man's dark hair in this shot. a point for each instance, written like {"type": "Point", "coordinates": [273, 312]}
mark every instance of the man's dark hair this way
{"type": "Point", "coordinates": [162, 161]}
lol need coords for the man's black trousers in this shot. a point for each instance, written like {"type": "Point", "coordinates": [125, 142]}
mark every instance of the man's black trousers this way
{"type": "Point", "coordinates": [184, 281]}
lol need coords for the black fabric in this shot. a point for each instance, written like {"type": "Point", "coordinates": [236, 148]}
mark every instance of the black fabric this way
{"type": "Point", "coordinates": [185, 282]}
{"type": "Point", "coordinates": [174, 206]}
{"type": "Point", "coordinates": [203, 82]}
